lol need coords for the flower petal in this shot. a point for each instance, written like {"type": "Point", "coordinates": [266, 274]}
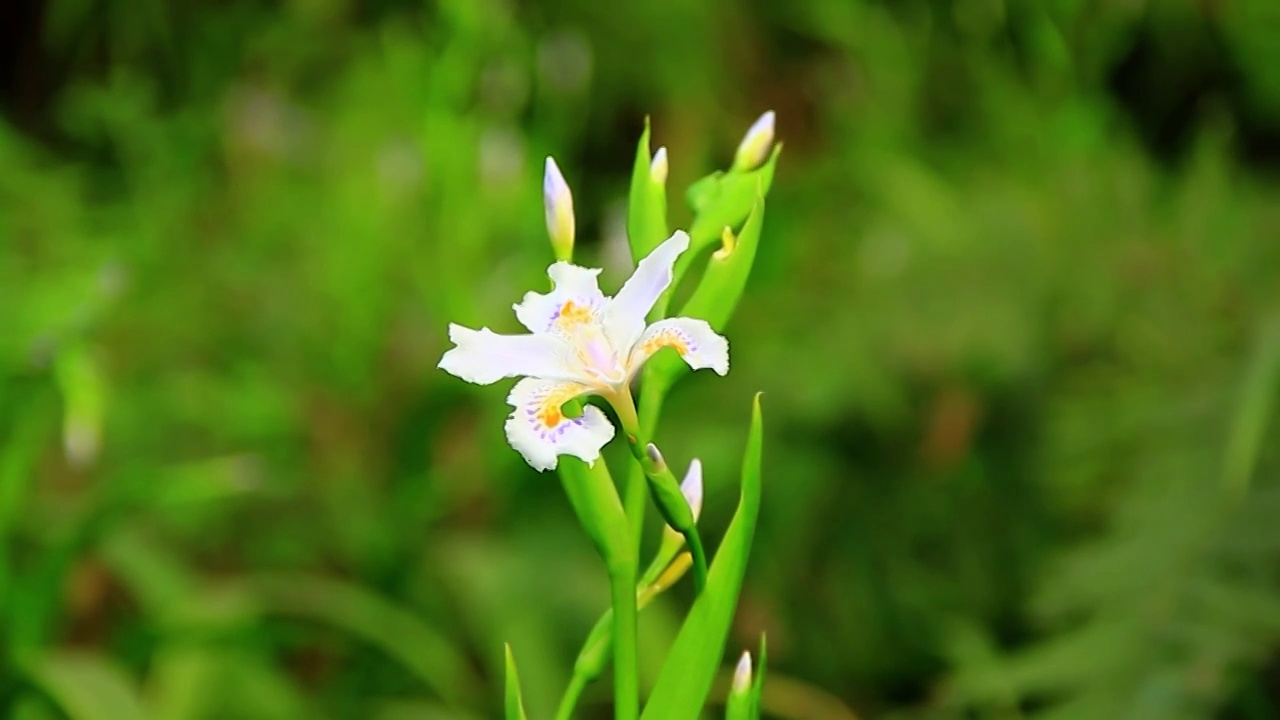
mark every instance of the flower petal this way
{"type": "Point", "coordinates": [540, 432]}
{"type": "Point", "coordinates": [694, 339]}
{"type": "Point", "coordinates": [575, 296]}
{"type": "Point", "coordinates": [483, 356]}
{"type": "Point", "coordinates": [624, 318]}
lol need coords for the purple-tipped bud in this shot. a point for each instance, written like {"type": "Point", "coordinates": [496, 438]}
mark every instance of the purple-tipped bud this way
{"type": "Point", "coordinates": [558, 202]}
{"type": "Point", "coordinates": [756, 144]}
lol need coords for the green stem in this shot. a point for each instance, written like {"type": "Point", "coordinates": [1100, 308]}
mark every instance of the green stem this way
{"type": "Point", "coordinates": [663, 485]}
{"type": "Point", "coordinates": [573, 693]}
{"type": "Point", "coordinates": [622, 581]}
{"type": "Point", "coordinates": [652, 394]}
{"type": "Point", "coordinates": [694, 542]}
{"type": "Point", "coordinates": [634, 496]}
{"type": "Point", "coordinates": [595, 500]}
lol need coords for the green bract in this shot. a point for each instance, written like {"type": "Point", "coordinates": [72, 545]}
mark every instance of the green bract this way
{"type": "Point", "coordinates": [647, 211]}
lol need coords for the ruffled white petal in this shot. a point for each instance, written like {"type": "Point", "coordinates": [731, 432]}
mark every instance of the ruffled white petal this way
{"type": "Point", "coordinates": [575, 297]}
{"type": "Point", "coordinates": [699, 345]}
{"type": "Point", "coordinates": [624, 318]}
{"type": "Point", "coordinates": [483, 356]}
{"type": "Point", "coordinates": [541, 433]}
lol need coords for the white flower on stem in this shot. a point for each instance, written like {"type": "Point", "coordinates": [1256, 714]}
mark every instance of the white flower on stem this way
{"type": "Point", "coordinates": [756, 144]}
{"type": "Point", "coordinates": [581, 343]}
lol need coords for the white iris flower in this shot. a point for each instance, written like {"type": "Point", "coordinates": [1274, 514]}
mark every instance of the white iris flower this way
{"type": "Point", "coordinates": [581, 343]}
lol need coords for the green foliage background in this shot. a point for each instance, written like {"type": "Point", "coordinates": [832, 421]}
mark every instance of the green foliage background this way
{"type": "Point", "coordinates": [1016, 314]}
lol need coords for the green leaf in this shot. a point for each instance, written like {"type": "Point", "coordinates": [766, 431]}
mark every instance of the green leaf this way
{"type": "Point", "coordinates": [404, 636]}
{"type": "Point", "coordinates": [86, 686]}
{"type": "Point", "coordinates": [1249, 426]}
{"type": "Point", "coordinates": [727, 201]}
{"type": "Point", "coordinates": [514, 705]}
{"type": "Point", "coordinates": [722, 283]}
{"type": "Point", "coordinates": [647, 206]}
{"type": "Point", "coordinates": [703, 190]}
{"type": "Point", "coordinates": [690, 668]}
{"type": "Point", "coordinates": [714, 300]}
{"type": "Point", "coordinates": [719, 201]}
{"type": "Point", "coordinates": [757, 684]}
{"type": "Point", "coordinates": [595, 501]}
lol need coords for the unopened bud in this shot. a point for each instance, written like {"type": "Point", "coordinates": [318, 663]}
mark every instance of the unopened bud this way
{"type": "Point", "coordinates": [655, 455]}
{"type": "Point", "coordinates": [756, 144]}
{"type": "Point", "coordinates": [558, 202]}
{"type": "Point", "coordinates": [658, 167]}
{"type": "Point", "coordinates": [665, 579]}
{"type": "Point", "coordinates": [691, 487]}
{"type": "Point", "coordinates": [742, 675]}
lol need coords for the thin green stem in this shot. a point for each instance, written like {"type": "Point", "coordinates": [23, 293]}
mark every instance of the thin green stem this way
{"type": "Point", "coordinates": [662, 484]}
{"type": "Point", "coordinates": [652, 394]}
{"type": "Point", "coordinates": [622, 582]}
{"type": "Point", "coordinates": [634, 495]}
{"type": "Point", "coordinates": [694, 541]}
{"type": "Point", "coordinates": [572, 694]}
{"type": "Point", "coordinates": [636, 490]}
{"type": "Point", "coordinates": [595, 500]}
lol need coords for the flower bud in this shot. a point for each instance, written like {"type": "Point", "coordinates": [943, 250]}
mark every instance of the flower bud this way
{"type": "Point", "coordinates": [658, 167]}
{"type": "Point", "coordinates": [755, 145]}
{"type": "Point", "coordinates": [667, 493]}
{"type": "Point", "coordinates": [742, 674]}
{"type": "Point", "coordinates": [655, 455]}
{"type": "Point", "coordinates": [739, 705]}
{"type": "Point", "coordinates": [691, 487]}
{"type": "Point", "coordinates": [558, 202]}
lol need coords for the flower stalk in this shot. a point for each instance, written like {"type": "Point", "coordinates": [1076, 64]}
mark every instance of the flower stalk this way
{"type": "Point", "coordinates": [595, 501]}
{"type": "Point", "coordinates": [663, 486]}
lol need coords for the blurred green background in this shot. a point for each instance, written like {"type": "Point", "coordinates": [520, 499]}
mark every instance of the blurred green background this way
{"type": "Point", "coordinates": [1016, 315]}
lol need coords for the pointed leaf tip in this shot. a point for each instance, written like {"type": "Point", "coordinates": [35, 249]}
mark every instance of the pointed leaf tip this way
{"type": "Point", "coordinates": [513, 703]}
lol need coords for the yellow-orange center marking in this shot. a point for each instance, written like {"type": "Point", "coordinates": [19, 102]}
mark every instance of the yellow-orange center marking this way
{"type": "Point", "coordinates": [573, 314]}
{"type": "Point", "coordinates": [551, 416]}
{"type": "Point", "coordinates": [657, 343]}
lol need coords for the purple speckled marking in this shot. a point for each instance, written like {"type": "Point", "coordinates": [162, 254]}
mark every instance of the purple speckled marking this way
{"type": "Point", "coordinates": [556, 433]}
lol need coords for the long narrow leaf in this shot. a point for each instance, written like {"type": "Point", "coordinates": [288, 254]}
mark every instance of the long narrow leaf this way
{"type": "Point", "coordinates": [757, 684]}
{"type": "Point", "coordinates": [514, 704]}
{"type": "Point", "coordinates": [690, 668]}
{"type": "Point", "coordinates": [86, 686]}
{"type": "Point", "coordinates": [422, 649]}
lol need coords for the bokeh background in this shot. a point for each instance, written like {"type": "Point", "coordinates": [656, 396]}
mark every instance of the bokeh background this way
{"type": "Point", "coordinates": [1016, 315]}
